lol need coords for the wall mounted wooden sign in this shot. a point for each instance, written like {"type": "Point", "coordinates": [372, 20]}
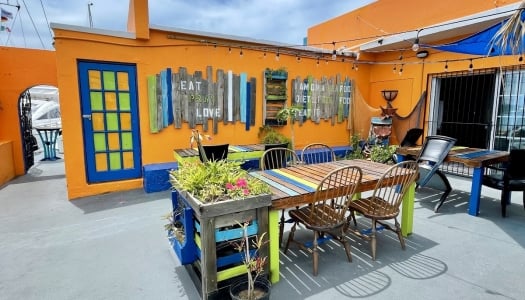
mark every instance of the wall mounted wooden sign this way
{"type": "Point", "coordinates": [325, 98]}
{"type": "Point", "coordinates": [182, 97]}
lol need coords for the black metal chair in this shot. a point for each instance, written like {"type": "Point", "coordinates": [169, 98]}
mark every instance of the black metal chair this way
{"type": "Point", "coordinates": [213, 152]}
{"type": "Point", "coordinates": [433, 153]}
{"type": "Point", "coordinates": [411, 137]}
{"type": "Point", "coordinates": [508, 177]}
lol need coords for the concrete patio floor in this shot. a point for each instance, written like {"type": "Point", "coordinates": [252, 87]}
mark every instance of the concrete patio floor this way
{"type": "Point", "coordinates": [114, 247]}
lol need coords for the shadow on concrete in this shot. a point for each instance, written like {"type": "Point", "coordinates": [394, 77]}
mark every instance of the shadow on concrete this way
{"type": "Point", "coordinates": [118, 199]}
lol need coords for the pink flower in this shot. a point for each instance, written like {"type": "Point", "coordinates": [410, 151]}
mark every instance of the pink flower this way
{"type": "Point", "coordinates": [229, 186]}
{"type": "Point", "coordinates": [241, 182]}
{"type": "Point", "coordinates": [246, 192]}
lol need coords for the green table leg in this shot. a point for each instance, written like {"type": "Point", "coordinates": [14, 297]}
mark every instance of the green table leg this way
{"type": "Point", "coordinates": [407, 210]}
{"type": "Point", "coordinates": [273, 227]}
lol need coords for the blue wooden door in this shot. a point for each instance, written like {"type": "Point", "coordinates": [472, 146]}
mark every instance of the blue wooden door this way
{"type": "Point", "coordinates": [108, 95]}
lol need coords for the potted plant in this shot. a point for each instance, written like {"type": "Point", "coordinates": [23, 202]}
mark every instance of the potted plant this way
{"type": "Point", "coordinates": [213, 193]}
{"type": "Point", "coordinates": [291, 113]}
{"type": "Point", "coordinates": [255, 286]}
{"type": "Point", "coordinates": [268, 135]}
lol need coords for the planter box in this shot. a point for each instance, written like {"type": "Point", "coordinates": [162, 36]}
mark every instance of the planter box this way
{"type": "Point", "coordinates": [211, 218]}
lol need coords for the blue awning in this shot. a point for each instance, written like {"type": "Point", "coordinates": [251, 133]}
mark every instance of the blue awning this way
{"type": "Point", "coordinates": [480, 43]}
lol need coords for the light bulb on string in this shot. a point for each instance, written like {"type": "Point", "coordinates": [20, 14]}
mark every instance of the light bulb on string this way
{"type": "Point", "coordinates": [446, 66]}
{"type": "Point", "coordinates": [277, 56]}
{"type": "Point", "coordinates": [318, 61]}
{"type": "Point", "coordinates": [470, 67]}
{"type": "Point", "coordinates": [241, 54]}
{"type": "Point", "coordinates": [229, 50]}
{"type": "Point", "coordinates": [520, 59]}
{"type": "Point", "coordinates": [394, 69]}
{"type": "Point", "coordinates": [401, 70]}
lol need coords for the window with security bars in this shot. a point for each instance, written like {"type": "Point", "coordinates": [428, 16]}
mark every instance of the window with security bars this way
{"type": "Point", "coordinates": [509, 132]}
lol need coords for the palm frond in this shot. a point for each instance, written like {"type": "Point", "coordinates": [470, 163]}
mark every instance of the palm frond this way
{"type": "Point", "coordinates": [510, 35]}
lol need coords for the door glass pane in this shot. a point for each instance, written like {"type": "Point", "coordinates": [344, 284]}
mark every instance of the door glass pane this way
{"type": "Point", "coordinates": [101, 162]}
{"type": "Point", "coordinates": [109, 80]}
{"type": "Point", "coordinates": [113, 141]}
{"type": "Point", "coordinates": [112, 121]}
{"type": "Point", "coordinates": [94, 79]}
{"type": "Point", "coordinates": [111, 100]}
{"type": "Point", "coordinates": [114, 161]}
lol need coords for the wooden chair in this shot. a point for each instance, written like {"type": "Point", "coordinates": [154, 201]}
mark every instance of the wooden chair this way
{"type": "Point", "coordinates": [327, 214]}
{"type": "Point", "coordinates": [271, 146]}
{"type": "Point", "coordinates": [433, 153]}
{"type": "Point", "coordinates": [213, 152]}
{"type": "Point", "coordinates": [386, 200]}
{"type": "Point", "coordinates": [508, 177]}
{"type": "Point", "coordinates": [276, 158]}
{"type": "Point", "coordinates": [317, 153]}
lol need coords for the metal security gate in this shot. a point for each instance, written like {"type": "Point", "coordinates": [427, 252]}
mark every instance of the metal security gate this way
{"type": "Point", "coordinates": [462, 105]}
{"type": "Point", "coordinates": [483, 109]}
{"type": "Point", "coordinates": [28, 140]}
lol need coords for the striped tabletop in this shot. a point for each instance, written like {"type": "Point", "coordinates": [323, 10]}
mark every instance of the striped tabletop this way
{"type": "Point", "coordinates": [293, 186]}
{"type": "Point", "coordinates": [470, 157]}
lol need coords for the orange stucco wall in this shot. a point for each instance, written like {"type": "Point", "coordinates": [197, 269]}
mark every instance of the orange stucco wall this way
{"type": "Point", "coordinates": [158, 53]}
{"type": "Point", "coordinates": [386, 17]}
{"type": "Point", "coordinates": [20, 70]}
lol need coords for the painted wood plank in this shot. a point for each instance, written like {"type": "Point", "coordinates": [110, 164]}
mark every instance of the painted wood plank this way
{"type": "Point", "coordinates": [169, 95]}
{"type": "Point", "coordinates": [210, 94]}
{"type": "Point", "coordinates": [152, 101]}
{"type": "Point", "coordinates": [159, 102]}
{"type": "Point", "coordinates": [253, 100]}
{"type": "Point", "coordinates": [242, 97]}
{"type": "Point", "coordinates": [230, 96]}
{"type": "Point", "coordinates": [164, 97]}
{"type": "Point", "coordinates": [184, 95]}
{"type": "Point", "coordinates": [177, 101]}
{"type": "Point", "coordinates": [220, 99]}
{"type": "Point", "coordinates": [248, 107]}
{"type": "Point", "coordinates": [236, 98]}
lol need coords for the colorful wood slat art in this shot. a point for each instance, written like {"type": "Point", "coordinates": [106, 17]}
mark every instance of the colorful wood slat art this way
{"type": "Point", "coordinates": [176, 97]}
{"type": "Point", "coordinates": [323, 99]}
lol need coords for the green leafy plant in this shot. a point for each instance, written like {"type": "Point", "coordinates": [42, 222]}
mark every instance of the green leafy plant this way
{"type": "Point", "coordinates": [290, 113]}
{"type": "Point", "coordinates": [382, 153]}
{"type": "Point", "coordinates": [216, 180]}
{"type": "Point", "coordinates": [357, 151]}
{"type": "Point", "coordinates": [268, 135]}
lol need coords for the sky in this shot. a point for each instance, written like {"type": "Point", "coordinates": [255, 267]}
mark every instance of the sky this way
{"type": "Point", "coordinates": [284, 21]}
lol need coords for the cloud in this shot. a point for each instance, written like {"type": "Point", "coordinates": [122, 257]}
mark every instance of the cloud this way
{"type": "Point", "coordinates": [273, 20]}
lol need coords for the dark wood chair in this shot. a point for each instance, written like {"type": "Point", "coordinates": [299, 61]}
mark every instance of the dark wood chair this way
{"type": "Point", "coordinates": [385, 202]}
{"type": "Point", "coordinates": [508, 177]}
{"type": "Point", "coordinates": [271, 146]}
{"type": "Point", "coordinates": [276, 158]}
{"type": "Point", "coordinates": [317, 153]}
{"type": "Point", "coordinates": [433, 153]}
{"type": "Point", "coordinates": [327, 214]}
{"type": "Point", "coordinates": [213, 152]}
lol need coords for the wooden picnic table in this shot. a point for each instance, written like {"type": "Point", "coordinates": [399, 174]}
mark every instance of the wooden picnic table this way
{"type": "Point", "coordinates": [296, 185]}
{"type": "Point", "coordinates": [475, 158]}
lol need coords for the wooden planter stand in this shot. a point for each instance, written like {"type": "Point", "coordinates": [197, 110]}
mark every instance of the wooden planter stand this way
{"type": "Point", "coordinates": [212, 223]}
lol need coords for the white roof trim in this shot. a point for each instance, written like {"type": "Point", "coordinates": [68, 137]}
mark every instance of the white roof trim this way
{"type": "Point", "coordinates": [114, 33]}
{"type": "Point", "coordinates": [449, 29]}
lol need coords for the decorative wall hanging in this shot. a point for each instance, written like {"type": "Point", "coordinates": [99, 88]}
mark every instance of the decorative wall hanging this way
{"type": "Point", "coordinates": [275, 96]}
{"type": "Point", "coordinates": [325, 98]}
{"type": "Point", "coordinates": [181, 97]}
